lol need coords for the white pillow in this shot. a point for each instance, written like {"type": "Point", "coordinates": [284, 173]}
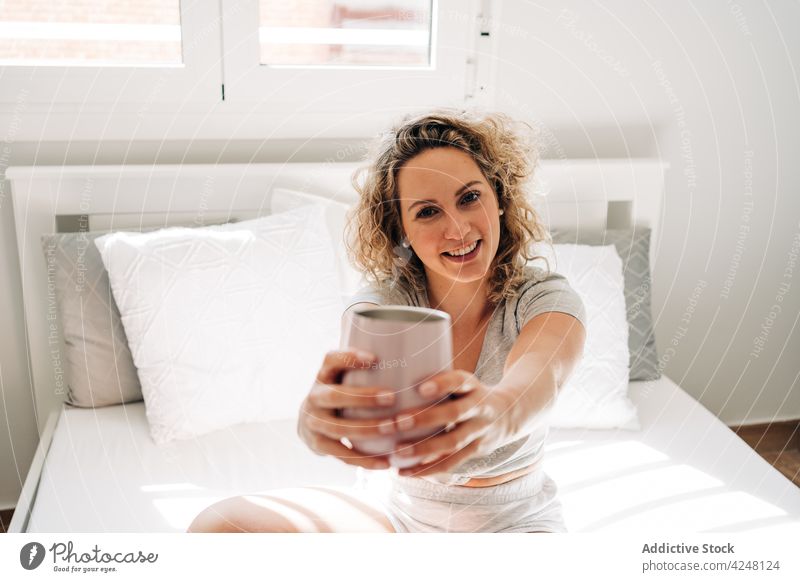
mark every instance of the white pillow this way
{"type": "Point", "coordinates": [284, 199]}
{"type": "Point", "coordinates": [596, 395]}
{"type": "Point", "coordinates": [226, 324]}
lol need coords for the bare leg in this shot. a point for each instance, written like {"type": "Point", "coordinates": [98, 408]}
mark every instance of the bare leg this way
{"type": "Point", "coordinates": [295, 510]}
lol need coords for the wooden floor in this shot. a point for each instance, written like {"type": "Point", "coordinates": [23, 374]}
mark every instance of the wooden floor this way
{"type": "Point", "coordinates": [5, 519]}
{"type": "Point", "coordinates": [778, 443]}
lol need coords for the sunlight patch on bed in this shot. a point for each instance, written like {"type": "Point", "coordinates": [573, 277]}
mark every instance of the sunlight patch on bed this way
{"type": "Point", "coordinates": [179, 512]}
{"type": "Point", "coordinates": [710, 510]}
{"type": "Point", "coordinates": [162, 487]}
{"type": "Point", "coordinates": [678, 497]}
{"type": "Point", "coordinates": [560, 446]}
{"type": "Point", "coordinates": [599, 461]}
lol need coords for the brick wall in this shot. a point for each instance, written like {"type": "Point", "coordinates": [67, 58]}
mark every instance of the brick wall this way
{"type": "Point", "coordinates": [98, 11]}
{"type": "Point", "coordinates": [92, 12]}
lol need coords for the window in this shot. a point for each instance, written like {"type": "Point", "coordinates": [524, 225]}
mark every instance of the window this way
{"type": "Point", "coordinates": [345, 33]}
{"type": "Point", "coordinates": [109, 51]}
{"type": "Point", "coordinates": [257, 69]}
{"type": "Point", "coordinates": [90, 32]}
{"type": "Point", "coordinates": [347, 55]}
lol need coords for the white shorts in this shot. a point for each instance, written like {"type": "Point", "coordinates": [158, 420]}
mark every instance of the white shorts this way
{"type": "Point", "coordinates": [526, 504]}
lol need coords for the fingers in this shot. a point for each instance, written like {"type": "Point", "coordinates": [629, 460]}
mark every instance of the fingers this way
{"type": "Point", "coordinates": [444, 463]}
{"type": "Point", "coordinates": [327, 446]}
{"type": "Point", "coordinates": [451, 382]}
{"type": "Point", "coordinates": [446, 443]}
{"type": "Point", "coordinates": [336, 362]}
{"type": "Point", "coordinates": [440, 414]}
{"type": "Point", "coordinates": [324, 421]}
{"type": "Point", "coordinates": [345, 396]}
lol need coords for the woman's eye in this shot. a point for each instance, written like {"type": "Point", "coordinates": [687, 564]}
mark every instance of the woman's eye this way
{"type": "Point", "coordinates": [468, 198]}
{"type": "Point", "coordinates": [475, 193]}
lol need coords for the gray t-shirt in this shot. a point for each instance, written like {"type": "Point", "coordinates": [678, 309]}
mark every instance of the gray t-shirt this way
{"type": "Point", "coordinates": [539, 293]}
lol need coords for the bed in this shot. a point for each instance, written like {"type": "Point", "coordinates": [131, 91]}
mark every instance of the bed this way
{"type": "Point", "coordinates": [685, 471]}
{"type": "Point", "coordinates": [98, 469]}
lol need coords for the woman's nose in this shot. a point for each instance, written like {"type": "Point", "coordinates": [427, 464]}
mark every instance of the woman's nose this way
{"type": "Point", "coordinates": [456, 227]}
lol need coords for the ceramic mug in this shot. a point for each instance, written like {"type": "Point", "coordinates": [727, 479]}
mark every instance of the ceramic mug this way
{"type": "Point", "coordinates": [412, 344]}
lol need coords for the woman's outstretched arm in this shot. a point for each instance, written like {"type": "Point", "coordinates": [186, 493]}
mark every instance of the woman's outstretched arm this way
{"type": "Point", "coordinates": [546, 352]}
{"type": "Point", "coordinates": [481, 417]}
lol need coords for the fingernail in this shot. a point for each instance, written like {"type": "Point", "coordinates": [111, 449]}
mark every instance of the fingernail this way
{"type": "Point", "coordinates": [385, 398]}
{"type": "Point", "coordinates": [365, 355]}
{"type": "Point", "coordinates": [404, 421]}
{"type": "Point", "coordinates": [428, 388]}
{"type": "Point", "coordinates": [386, 427]}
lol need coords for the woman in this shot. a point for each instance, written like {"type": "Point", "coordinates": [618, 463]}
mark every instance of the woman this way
{"type": "Point", "coordinates": [443, 222]}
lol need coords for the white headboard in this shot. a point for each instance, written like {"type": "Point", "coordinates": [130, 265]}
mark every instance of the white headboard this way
{"type": "Point", "coordinates": [588, 195]}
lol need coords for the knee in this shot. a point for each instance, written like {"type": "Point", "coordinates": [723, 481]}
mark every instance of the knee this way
{"type": "Point", "coordinates": [214, 519]}
{"type": "Point", "coordinates": [235, 515]}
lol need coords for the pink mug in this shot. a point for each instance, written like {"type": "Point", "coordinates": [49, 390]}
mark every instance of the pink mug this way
{"type": "Point", "coordinates": [411, 344]}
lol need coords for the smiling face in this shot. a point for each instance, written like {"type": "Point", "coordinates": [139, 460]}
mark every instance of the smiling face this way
{"type": "Point", "coordinates": [446, 204]}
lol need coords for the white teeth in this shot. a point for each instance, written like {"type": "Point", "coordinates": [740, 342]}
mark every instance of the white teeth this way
{"type": "Point", "coordinates": [464, 251]}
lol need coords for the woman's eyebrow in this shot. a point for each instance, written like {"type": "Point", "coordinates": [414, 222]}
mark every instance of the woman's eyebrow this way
{"type": "Point", "coordinates": [459, 191]}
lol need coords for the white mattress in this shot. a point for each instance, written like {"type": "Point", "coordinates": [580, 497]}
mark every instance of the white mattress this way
{"type": "Point", "coordinates": [684, 471]}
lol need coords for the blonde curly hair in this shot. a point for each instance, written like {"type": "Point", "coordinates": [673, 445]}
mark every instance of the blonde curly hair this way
{"type": "Point", "coordinates": [507, 160]}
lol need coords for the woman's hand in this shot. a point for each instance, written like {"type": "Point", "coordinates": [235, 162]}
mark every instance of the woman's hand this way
{"type": "Point", "coordinates": [319, 425]}
{"type": "Point", "coordinates": [471, 414]}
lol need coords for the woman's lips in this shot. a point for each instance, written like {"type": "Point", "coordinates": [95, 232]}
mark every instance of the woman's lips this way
{"type": "Point", "coordinates": [469, 256]}
{"type": "Point", "coordinates": [464, 246]}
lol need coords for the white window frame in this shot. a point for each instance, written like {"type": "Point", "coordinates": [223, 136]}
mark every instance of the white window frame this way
{"type": "Point", "coordinates": [349, 89]}
{"type": "Point", "coordinates": [100, 86]}
{"type": "Point", "coordinates": [126, 103]}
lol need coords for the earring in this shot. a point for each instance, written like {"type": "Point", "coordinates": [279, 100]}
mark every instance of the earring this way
{"type": "Point", "coordinates": [405, 243]}
{"type": "Point", "coordinates": [502, 212]}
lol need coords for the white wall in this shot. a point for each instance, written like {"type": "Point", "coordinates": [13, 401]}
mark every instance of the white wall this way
{"type": "Point", "coordinates": [713, 88]}
{"type": "Point", "coordinates": [710, 87]}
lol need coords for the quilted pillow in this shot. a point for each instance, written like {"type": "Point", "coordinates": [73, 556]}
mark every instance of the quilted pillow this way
{"type": "Point", "coordinates": [596, 394]}
{"type": "Point", "coordinates": [633, 246]}
{"type": "Point", "coordinates": [226, 324]}
{"type": "Point", "coordinates": [283, 199]}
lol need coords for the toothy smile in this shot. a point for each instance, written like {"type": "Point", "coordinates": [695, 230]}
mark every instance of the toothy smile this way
{"type": "Point", "coordinates": [463, 250]}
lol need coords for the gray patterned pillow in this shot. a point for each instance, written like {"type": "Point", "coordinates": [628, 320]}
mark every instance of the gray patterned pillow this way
{"type": "Point", "coordinates": [97, 361]}
{"type": "Point", "coordinates": [633, 246]}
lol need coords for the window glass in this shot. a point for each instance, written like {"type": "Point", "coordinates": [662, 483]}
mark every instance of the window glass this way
{"type": "Point", "coordinates": [90, 32]}
{"type": "Point", "coordinates": [345, 32]}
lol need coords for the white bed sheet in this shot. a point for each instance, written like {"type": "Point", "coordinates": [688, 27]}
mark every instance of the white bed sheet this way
{"type": "Point", "coordinates": [684, 471]}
